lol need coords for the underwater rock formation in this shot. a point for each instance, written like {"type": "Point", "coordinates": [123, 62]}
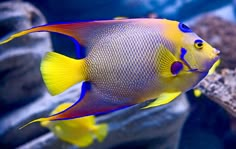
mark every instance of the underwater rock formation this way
{"type": "Point", "coordinates": [20, 80]}
{"type": "Point", "coordinates": [10, 134]}
{"type": "Point", "coordinates": [221, 88]}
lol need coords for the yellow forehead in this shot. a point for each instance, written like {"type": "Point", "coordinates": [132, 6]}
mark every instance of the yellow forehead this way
{"type": "Point", "coordinates": [172, 32]}
{"type": "Point", "coordinates": [178, 33]}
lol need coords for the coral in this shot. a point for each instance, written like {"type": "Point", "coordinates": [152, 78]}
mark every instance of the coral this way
{"type": "Point", "coordinates": [20, 79]}
{"type": "Point", "coordinates": [221, 88]}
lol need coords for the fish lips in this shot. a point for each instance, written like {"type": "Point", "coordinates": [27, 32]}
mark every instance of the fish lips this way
{"type": "Point", "coordinates": [208, 66]}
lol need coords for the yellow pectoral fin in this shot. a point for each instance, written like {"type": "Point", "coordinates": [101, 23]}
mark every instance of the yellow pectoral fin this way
{"type": "Point", "coordinates": [60, 72]}
{"type": "Point", "coordinates": [165, 61]}
{"type": "Point", "coordinates": [164, 98]}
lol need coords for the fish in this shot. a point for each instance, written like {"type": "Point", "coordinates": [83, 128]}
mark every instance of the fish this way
{"type": "Point", "coordinates": [79, 131]}
{"type": "Point", "coordinates": [129, 61]}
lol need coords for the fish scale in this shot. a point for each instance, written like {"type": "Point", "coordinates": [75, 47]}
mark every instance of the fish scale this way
{"type": "Point", "coordinates": [139, 56]}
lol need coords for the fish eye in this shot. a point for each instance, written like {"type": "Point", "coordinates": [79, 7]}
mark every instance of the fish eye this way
{"type": "Point", "coordinates": [184, 28]}
{"type": "Point", "coordinates": [198, 44]}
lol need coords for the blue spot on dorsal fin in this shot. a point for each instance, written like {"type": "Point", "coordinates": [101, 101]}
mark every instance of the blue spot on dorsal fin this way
{"type": "Point", "coordinates": [184, 28]}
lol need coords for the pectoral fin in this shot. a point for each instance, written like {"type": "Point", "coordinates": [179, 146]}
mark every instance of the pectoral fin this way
{"type": "Point", "coordinates": [164, 98]}
{"type": "Point", "coordinates": [168, 66]}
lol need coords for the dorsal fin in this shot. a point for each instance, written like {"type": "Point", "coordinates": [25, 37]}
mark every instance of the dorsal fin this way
{"type": "Point", "coordinates": [83, 32]}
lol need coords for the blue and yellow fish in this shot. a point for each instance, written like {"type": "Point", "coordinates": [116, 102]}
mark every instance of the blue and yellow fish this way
{"type": "Point", "coordinates": [129, 61]}
{"type": "Point", "coordinates": [80, 132]}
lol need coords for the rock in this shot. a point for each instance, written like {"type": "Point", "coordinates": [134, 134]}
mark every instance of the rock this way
{"type": "Point", "coordinates": [221, 88]}
{"type": "Point", "coordinates": [20, 79]}
{"type": "Point", "coordinates": [47, 141]}
{"type": "Point", "coordinates": [12, 121]}
{"type": "Point", "coordinates": [158, 127]}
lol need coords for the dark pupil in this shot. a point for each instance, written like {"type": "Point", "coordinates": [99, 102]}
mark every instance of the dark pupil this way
{"type": "Point", "coordinates": [199, 44]}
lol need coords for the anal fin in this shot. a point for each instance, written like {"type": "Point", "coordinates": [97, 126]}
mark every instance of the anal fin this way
{"type": "Point", "coordinates": [91, 102]}
{"type": "Point", "coordinates": [164, 98]}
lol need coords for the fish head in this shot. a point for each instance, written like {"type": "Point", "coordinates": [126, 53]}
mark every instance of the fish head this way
{"type": "Point", "coordinates": [195, 53]}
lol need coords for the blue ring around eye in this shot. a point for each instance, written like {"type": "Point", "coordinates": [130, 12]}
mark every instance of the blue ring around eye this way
{"type": "Point", "coordinates": [184, 28]}
{"type": "Point", "coordinates": [198, 44]}
{"type": "Point", "coordinates": [198, 41]}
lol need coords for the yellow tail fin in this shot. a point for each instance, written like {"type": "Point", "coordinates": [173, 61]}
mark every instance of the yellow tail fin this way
{"type": "Point", "coordinates": [101, 132]}
{"type": "Point", "coordinates": [60, 72]}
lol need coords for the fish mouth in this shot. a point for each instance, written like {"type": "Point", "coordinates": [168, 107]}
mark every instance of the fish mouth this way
{"type": "Point", "coordinates": [185, 62]}
{"type": "Point", "coordinates": [196, 70]}
{"type": "Point", "coordinates": [209, 65]}
{"type": "Point", "coordinates": [190, 69]}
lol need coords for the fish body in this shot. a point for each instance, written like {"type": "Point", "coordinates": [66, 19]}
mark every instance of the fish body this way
{"type": "Point", "coordinates": [80, 131]}
{"type": "Point", "coordinates": [129, 61]}
{"type": "Point", "coordinates": [130, 57]}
